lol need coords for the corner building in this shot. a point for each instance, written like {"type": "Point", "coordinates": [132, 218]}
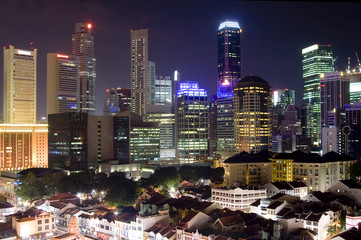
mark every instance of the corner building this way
{"type": "Point", "coordinates": [252, 115]}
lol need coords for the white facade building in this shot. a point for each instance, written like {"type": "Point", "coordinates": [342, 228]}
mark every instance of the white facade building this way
{"type": "Point", "coordinates": [237, 199]}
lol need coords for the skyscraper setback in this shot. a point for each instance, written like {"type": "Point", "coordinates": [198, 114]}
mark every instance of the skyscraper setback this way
{"type": "Point", "coordinates": [229, 73]}
{"type": "Point", "coordinates": [83, 47]}
{"type": "Point", "coordinates": [139, 70]}
{"type": "Point", "coordinates": [316, 59]}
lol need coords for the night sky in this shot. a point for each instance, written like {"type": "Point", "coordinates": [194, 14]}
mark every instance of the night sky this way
{"type": "Point", "coordinates": [183, 36]}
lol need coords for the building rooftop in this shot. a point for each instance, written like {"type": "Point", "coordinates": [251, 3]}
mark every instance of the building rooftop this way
{"type": "Point", "coordinates": [245, 157]}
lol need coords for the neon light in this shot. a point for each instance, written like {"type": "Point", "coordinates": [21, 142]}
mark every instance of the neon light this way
{"type": "Point", "coordinates": [229, 24]}
{"type": "Point", "coordinates": [62, 56]}
{"type": "Point", "coordinates": [309, 49]}
{"type": "Point", "coordinates": [275, 98]}
{"type": "Point", "coordinates": [22, 52]}
{"type": "Point", "coordinates": [191, 89]}
{"type": "Point", "coordinates": [176, 75]}
{"type": "Point", "coordinates": [89, 26]}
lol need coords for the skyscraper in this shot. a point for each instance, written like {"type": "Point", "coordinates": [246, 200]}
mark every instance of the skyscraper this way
{"type": "Point", "coordinates": [192, 123]}
{"type": "Point", "coordinates": [83, 47]}
{"type": "Point", "coordinates": [139, 70]}
{"type": "Point", "coordinates": [316, 59]}
{"type": "Point", "coordinates": [19, 98]}
{"type": "Point", "coordinates": [63, 84]}
{"type": "Point", "coordinates": [252, 114]}
{"type": "Point", "coordinates": [335, 93]}
{"type": "Point", "coordinates": [229, 73]}
{"type": "Point", "coordinates": [124, 95]}
{"type": "Point", "coordinates": [111, 102]}
{"type": "Point", "coordinates": [23, 143]}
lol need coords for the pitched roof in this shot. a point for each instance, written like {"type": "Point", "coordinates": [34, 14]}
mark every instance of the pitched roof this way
{"type": "Point", "coordinates": [351, 234]}
{"type": "Point", "coordinates": [231, 220]}
{"type": "Point", "coordinates": [299, 156]}
{"type": "Point", "coordinates": [62, 196]}
{"type": "Point", "coordinates": [5, 205]}
{"type": "Point", "coordinates": [188, 217]}
{"type": "Point", "coordinates": [351, 183]}
{"type": "Point", "coordinates": [275, 204]}
{"type": "Point", "coordinates": [245, 157]}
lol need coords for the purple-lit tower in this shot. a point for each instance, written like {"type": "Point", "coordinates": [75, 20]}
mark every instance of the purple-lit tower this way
{"type": "Point", "coordinates": [192, 123]}
{"type": "Point", "coordinates": [229, 73]}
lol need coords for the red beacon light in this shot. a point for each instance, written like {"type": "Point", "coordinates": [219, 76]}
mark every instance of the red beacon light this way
{"type": "Point", "coordinates": [62, 56]}
{"type": "Point", "coordinates": [89, 25]}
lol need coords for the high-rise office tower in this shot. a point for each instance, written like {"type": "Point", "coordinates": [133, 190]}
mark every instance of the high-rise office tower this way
{"type": "Point", "coordinates": [316, 59]}
{"type": "Point", "coordinates": [139, 70]}
{"type": "Point", "coordinates": [19, 99]}
{"type": "Point", "coordinates": [212, 126]}
{"type": "Point", "coordinates": [352, 131]}
{"type": "Point", "coordinates": [124, 95]}
{"type": "Point", "coordinates": [111, 102]}
{"type": "Point", "coordinates": [252, 115]}
{"type": "Point", "coordinates": [23, 143]}
{"type": "Point", "coordinates": [355, 86]}
{"type": "Point", "coordinates": [163, 90]}
{"type": "Point", "coordinates": [192, 123]}
{"type": "Point", "coordinates": [151, 82]}
{"type": "Point", "coordinates": [281, 98]}
{"type": "Point", "coordinates": [83, 47]}
{"type": "Point", "coordinates": [63, 84]}
{"type": "Point", "coordinates": [229, 73]}
{"type": "Point", "coordinates": [335, 93]}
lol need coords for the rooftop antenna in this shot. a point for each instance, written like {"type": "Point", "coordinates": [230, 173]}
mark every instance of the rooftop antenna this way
{"type": "Point", "coordinates": [348, 66]}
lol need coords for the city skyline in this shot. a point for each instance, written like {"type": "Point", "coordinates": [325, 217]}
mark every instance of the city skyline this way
{"type": "Point", "coordinates": [180, 39]}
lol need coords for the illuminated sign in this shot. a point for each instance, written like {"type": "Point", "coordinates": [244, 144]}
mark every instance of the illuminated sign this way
{"type": "Point", "coordinates": [229, 24]}
{"type": "Point", "coordinates": [191, 89]}
{"type": "Point", "coordinates": [225, 82]}
{"type": "Point", "coordinates": [309, 49]}
{"type": "Point", "coordinates": [275, 98]}
{"type": "Point", "coordinates": [22, 52]}
{"type": "Point", "coordinates": [62, 56]}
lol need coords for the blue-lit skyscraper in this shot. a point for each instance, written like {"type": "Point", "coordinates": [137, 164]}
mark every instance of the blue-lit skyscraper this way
{"type": "Point", "coordinates": [192, 123]}
{"type": "Point", "coordinates": [229, 73]}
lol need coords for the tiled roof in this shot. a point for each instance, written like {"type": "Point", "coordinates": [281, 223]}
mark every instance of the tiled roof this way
{"type": "Point", "coordinates": [351, 183]}
{"type": "Point", "coordinates": [5, 205]}
{"type": "Point", "coordinates": [231, 220]}
{"type": "Point", "coordinates": [275, 204]}
{"type": "Point", "coordinates": [188, 217]}
{"type": "Point", "coordinates": [351, 234]}
{"type": "Point", "coordinates": [245, 157]}
{"type": "Point", "coordinates": [62, 196]}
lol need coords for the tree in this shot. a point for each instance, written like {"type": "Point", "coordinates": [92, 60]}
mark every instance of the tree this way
{"type": "Point", "coordinates": [123, 193]}
{"type": "Point", "coordinates": [355, 172]}
{"type": "Point", "coordinates": [31, 188]}
{"type": "Point", "coordinates": [218, 172]}
{"type": "Point", "coordinates": [331, 230]}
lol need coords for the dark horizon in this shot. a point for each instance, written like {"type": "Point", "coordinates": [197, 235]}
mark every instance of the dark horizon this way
{"type": "Point", "coordinates": [183, 36]}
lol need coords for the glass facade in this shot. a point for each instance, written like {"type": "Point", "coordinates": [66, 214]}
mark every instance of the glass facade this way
{"type": "Point", "coordinates": [111, 102]}
{"type": "Point", "coordinates": [192, 123]}
{"type": "Point", "coordinates": [83, 47]}
{"type": "Point", "coordinates": [229, 73]}
{"type": "Point", "coordinates": [68, 141]}
{"type": "Point", "coordinates": [355, 92]}
{"type": "Point", "coordinates": [316, 60]}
